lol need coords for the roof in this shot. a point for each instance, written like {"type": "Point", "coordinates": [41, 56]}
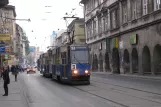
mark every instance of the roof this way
{"type": "Point", "coordinates": [82, 1]}
{"type": "Point", "coordinates": [75, 21]}
{"type": "Point", "coordinates": [12, 8]}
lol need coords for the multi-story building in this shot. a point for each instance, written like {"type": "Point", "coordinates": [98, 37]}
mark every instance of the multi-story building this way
{"type": "Point", "coordinates": [124, 35]}
{"type": "Point", "coordinates": [8, 27]}
{"type": "Point", "coordinates": [76, 32]}
{"type": "Point", "coordinates": [3, 3]}
{"type": "Point", "coordinates": [19, 43]}
{"type": "Point", "coordinates": [59, 38]}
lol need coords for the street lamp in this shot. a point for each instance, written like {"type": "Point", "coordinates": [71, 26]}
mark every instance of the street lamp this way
{"type": "Point", "coordinates": [29, 20]}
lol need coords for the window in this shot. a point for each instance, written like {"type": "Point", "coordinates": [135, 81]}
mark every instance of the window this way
{"type": "Point", "coordinates": [124, 11]}
{"type": "Point", "coordinates": [94, 1]}
{"type": "Point", "coordinates": [99, 2]}
{"type": "Point", "coordinates": [94, 27]}
{"type": "Point", "coordinates": [99, 25]}
{"type": "Point", "coordinates": [134, 9]}
{"type": "Point", "coordinates": [81, 26]}
{"type": "Point", "coordinates": [105, 21]}
{"type": "Point", "coordinates": [157, 4]}
{"type": "Point", "coordinates": [79, 56]}
{"type": "Point", "coordinates": [104, 24]}
{"type": "Point", "coordinates": [63, 57]}
{"type": "Point", "coordinates": [88, 30]}
{"type": "Point", "coordinates": [145, 7]}
{"type": "Point", "coordinates": [113, 19]}
{"type": "Point", "coordinates": [88, 6]}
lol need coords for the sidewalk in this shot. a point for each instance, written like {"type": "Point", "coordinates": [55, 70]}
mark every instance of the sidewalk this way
{"type": "Point", "coordinates": [129, 75]}
{"type": "Point", "coordinates": [129, 90]}
{"type": "Point", "coordinates": [15, 98]}
{"type": "Point", "coordinates": [144, 83]}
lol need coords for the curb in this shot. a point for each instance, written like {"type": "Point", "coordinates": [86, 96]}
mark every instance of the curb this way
{"type": "Point", "coordinates": [143, 77]}
{"type": "Point", "coordinates": [129, 75]}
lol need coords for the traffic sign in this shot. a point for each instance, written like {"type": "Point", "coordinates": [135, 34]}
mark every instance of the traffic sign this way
{"type": "Point", "coordinates": [2, 49]}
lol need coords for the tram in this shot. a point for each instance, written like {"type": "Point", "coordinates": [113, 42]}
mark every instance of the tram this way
{"type": "Point", "coordinates": [71, 64]}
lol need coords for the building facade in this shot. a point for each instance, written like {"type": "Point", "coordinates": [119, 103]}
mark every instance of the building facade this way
{"type": "Point", "coordinates": [8, 28]}
{"type": "Point", "coordinates": [3, 3]}
{"type": "Point", "coordinates": [19, 43]}
{"type": "Point", "coordinates": [124, 35]}
{"type": "Point", "coordinates": [76, 32]}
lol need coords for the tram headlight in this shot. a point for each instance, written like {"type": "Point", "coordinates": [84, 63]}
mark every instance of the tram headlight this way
{"type": "Point", "coordinates": [75, 71]}
{"type": "Point", "coordinates": [86, 71]}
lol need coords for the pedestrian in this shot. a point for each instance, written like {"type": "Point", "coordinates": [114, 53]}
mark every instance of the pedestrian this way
{"type": "Point", "coordinates": [5, 75]}
{"type": "Point", "coordinates": [1, 70]}
{"type": "Point", "coordinates": [15, 70]}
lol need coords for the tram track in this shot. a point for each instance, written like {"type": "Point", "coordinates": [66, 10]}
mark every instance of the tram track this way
{"type": "Point", "coordinates": [118, 91]}
{"type": "Point", "coordinates": [127, 87]}
{"type": "Point", "coordinates": [110, 100]}
{"type": "Point", "coordinates": [121, 92]}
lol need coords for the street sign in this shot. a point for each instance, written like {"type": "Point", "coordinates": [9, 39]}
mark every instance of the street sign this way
{"type": "Point", "coordinates": [2, 49]}
{"type": "Point", "coordinates": [5, 37]}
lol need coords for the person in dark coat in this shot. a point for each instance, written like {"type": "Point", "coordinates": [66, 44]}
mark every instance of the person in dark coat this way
{"type": "Point", "coordinates": [6, 78]}
{"type": "Point", "coordinates": [14, 70]}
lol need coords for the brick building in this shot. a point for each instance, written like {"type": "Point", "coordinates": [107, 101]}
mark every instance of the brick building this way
{"type": "Point", "coordinates": [124, 36]}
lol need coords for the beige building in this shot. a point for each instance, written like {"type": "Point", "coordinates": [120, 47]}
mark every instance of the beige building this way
{"type": "Point", "coordinates": [76, 31]}
{"type": "Point", "coordinates": [124, 35]}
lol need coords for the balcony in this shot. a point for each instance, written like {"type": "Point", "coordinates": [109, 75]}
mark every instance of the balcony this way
{"type": "Point", "coordinates": [3, 3]}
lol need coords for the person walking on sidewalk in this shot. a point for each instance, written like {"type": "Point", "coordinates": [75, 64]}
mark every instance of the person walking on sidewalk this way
{"type": "Point", "coordinates": [1, 70]}
{"type": "Point", "coordinates": [14, 70]}
{"type": "Point", "coordinates": [6, 78]}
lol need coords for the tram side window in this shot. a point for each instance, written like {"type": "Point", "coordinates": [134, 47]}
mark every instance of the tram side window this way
{"type": "Point", "coordinates": [64, 58]}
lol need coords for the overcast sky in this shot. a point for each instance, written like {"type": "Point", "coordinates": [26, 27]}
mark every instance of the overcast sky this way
{"type": "Point", "coordinates": [36, 11]}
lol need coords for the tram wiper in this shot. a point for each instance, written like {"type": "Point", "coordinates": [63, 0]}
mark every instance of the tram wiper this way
{"type": "Point", "coordinates": [79, 62]}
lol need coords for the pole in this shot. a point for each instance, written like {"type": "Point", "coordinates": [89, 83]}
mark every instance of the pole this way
{"type": "Point", "coordinates": [70, 38]}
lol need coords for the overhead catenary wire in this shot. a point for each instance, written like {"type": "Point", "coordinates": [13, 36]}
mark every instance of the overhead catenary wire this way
{"type": "Point", "coordinates": [70, 14]}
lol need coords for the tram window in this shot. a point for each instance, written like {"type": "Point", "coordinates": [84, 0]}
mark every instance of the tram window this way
{"type": "Point", "coordinates": [63, 56]}
{"type": "Point", "coordinates": [79, 56]}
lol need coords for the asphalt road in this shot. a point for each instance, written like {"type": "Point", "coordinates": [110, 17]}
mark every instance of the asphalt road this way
{"type": "Point", "coordinates": [43, 92]}
{"type": "Point", "coordinates": [104, 91]}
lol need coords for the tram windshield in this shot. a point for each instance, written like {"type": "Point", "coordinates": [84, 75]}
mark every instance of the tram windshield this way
{"type": "Point", "coordinates": [79, 56]}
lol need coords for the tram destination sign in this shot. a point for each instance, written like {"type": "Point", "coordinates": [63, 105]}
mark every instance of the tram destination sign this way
{"type": "Point", "coordinates": [74, 48]}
